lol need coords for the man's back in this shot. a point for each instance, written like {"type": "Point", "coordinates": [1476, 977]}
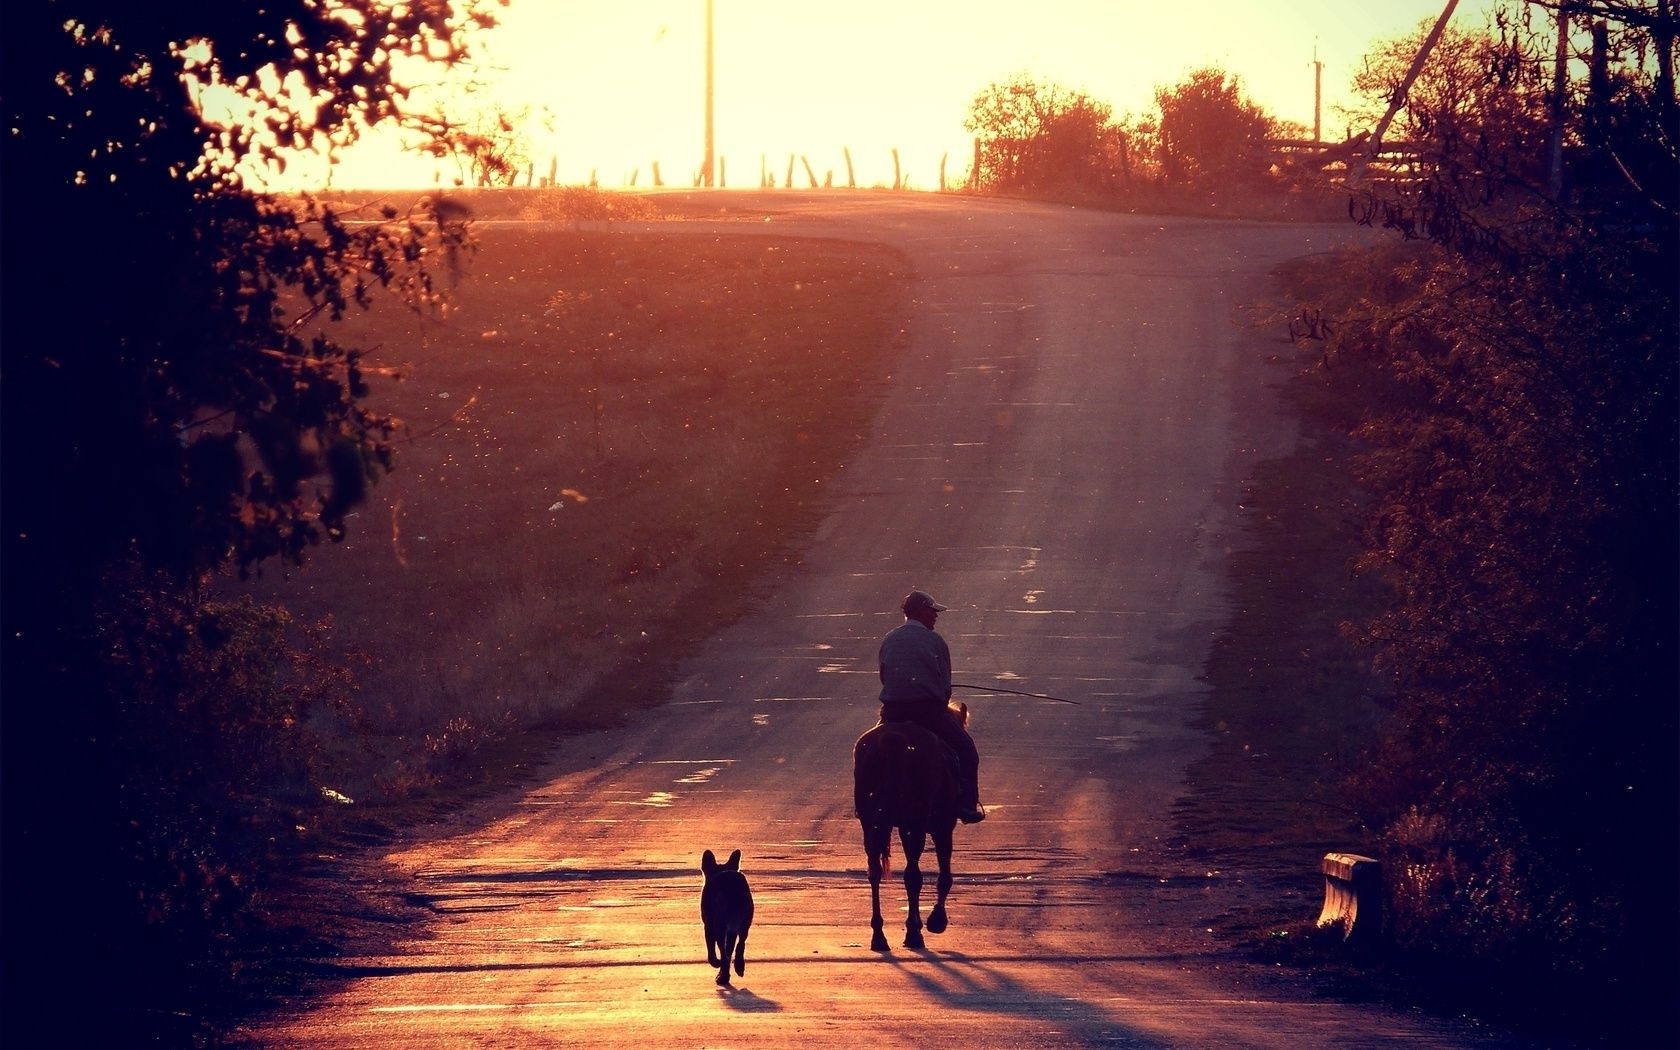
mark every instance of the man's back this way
{"type": "Point", "coordinates": [915, 666]}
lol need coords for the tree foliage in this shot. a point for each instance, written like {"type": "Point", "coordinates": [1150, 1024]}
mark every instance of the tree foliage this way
{"type": "Point", "coordinates": [194, 416]}
{"type": "Point", "coordinates": [1039, 137]}
{"type": "Point", "coordinates": [1524, 488]}
{"type": "Point", "coordinates": [1210, 134]}
{"type": "Point", "coordinates": [173, 406]}
{"type": "Point", "coordinates": [1473, 84]}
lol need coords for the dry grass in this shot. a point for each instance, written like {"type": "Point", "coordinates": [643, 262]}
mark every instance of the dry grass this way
{"type": "Point", "coordinates": [608, 437]}
{"type": "Point", "coordinates": [573, 204]}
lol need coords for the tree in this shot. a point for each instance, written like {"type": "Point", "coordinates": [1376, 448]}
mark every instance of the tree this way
{"type": "Point", "coordinates": [1474, 90]}
{"type": "Point", "coordinates": [173, 408]}
{"type": "Point", "coordinates": [1523, 491]}
{"type": "Point", "coordinates": [1210, 134]}
{"type": "Point", "coordinates": [1036, 137]}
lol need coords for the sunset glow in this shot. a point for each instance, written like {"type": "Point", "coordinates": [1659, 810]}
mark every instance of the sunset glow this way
{"type": "Point", "coordinates": [621, 84]}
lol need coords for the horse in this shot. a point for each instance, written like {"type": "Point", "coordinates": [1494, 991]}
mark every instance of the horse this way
{"type": "Point", "coordinates": [905, 777]}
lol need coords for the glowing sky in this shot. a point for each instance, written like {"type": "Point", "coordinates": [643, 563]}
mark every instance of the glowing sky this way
{"type": "Point", "coordinates": [624, 78]}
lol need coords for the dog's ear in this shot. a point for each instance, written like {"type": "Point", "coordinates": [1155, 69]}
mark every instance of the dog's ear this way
{"type": "Point", "coordinates": [708, 863]}
{"type": "Point", "coordinates": [734, 861]}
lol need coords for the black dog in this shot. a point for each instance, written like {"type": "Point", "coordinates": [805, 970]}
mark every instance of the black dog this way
{"type": "Point", "coordinates": [726, 910]}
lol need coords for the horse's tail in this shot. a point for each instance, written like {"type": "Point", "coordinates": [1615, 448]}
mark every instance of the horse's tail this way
{"type": "Point", "coordinates": [877, 778]}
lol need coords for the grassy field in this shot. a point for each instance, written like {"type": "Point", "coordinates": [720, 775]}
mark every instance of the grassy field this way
{"type": "Point", "coordinates": [610, 438]}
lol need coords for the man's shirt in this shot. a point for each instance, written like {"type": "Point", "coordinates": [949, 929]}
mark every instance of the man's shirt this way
{"type": "Point", "coordinates": [915, 666]}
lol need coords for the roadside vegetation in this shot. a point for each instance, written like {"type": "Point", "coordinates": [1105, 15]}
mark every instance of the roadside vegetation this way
{"type": "Point", "coordinates": [1500, 382]}
{"type": "Point", "coordinates": [312, 504]}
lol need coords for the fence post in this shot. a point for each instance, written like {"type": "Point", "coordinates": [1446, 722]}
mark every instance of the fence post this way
{"type": "Point", "coordinates": [788, 182]}
{"type": "Point", "coordinates": [898, 180]}
{"type": "Point", "coordinates": [851, 176]}
{"type": "Point", "coordinates": [657, 181]}
{"type": "Point", "coordinates": [943, 157]}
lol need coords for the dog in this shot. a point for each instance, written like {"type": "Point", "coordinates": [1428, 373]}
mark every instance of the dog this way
{"type": "Point", "coordinates": [726, 911]}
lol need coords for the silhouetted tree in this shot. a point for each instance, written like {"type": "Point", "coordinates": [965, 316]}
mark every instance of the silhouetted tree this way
{"type": "Point", "coordinates": [1210, 135]}
{"type": "Point", "coordinates": [1475, 91]}
{"type": "Point", "coordinates": [171, 408]}
{"type": "Point", "coordinates": [1524, 488]}
{"type": "Point", "coordinates": [1038, 137]}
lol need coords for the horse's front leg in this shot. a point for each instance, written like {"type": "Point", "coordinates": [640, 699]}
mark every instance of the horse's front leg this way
{"type": "Point", "coordinates": [874, 846]}
{"type": "Point", "coordinates": [913, 888]}
{"type": "Point", "coordinates": [936, 920]}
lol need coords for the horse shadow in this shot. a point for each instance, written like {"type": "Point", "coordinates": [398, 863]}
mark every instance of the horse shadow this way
{"type": "Point", "coordinates": [744, 1001]}
{"type": "Point", "coordinates": [961, 983]}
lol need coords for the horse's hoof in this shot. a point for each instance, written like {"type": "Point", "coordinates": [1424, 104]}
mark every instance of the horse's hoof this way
{"type": "Point", "coordinates": [936, 922]}
{"type": "Point", "coordinates": [879, 943]}
{"type": "Point", "coordinates": [740, 967]}
{"type": "Point", "coordinates": [913, 941]}
{"type": "Point", "coordinates": [723, 977]}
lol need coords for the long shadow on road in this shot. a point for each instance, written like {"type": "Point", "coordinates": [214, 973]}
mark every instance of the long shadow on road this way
{"type": "Point", "coordinates": [960, 982]}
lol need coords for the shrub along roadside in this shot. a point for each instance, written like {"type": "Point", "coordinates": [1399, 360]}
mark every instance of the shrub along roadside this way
{"type": "Point", "coordinates": [575, 488]}
{"type": "Point", "coordinates": [1514, 357]}
{"type": "Point", "coordinates": [1519, 428]}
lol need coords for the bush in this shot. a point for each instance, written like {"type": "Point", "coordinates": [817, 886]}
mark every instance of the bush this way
{"type": "Point", "coordinates": [1523, 471]}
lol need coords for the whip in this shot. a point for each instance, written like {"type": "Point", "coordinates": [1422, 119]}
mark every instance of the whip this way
{"type": "Point", "coordinates": [1015, 692]}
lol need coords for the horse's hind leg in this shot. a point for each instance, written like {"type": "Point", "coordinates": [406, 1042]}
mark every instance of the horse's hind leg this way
{"type": "Point", "coordinates": [936, 920]}
{"type": "Point", "coordinates": [913, 889]}
{"type": "Point", "coordinates": [875, 846]}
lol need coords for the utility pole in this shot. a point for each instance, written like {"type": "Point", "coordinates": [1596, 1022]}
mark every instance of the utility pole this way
{"type": "Point", "coordinates": [1318, 97]}
{"type": "Point", "coordinates": [706, 167]}
{"type": "Point", "coordinates": [1373, 148]}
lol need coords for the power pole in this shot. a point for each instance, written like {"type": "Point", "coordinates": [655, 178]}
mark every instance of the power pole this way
{"type": "Point", "coordinates": [1318, 97]}
{"type": "Point", "coordinates": [707, 166]}
{"type": "Point", "coordinates": [1373, 149]}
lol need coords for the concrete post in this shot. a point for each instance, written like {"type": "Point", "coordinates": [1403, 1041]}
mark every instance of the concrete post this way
{"type": "Point", "coordinates": [1352, 896]}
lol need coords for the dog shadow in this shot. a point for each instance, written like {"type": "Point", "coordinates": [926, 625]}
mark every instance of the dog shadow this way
{"type": "Point", "coordinates": [747, 1002]}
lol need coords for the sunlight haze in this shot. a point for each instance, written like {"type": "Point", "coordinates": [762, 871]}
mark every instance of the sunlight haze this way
{"type": "Point", "coordinates": [622, 84]}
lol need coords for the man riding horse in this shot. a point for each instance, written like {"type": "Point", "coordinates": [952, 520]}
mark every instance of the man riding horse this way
{"type": "Point", "coordinates": [916, 687]}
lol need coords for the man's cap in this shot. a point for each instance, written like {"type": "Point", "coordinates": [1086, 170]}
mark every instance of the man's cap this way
{"type": "Point", "coordinates": [919, 601]}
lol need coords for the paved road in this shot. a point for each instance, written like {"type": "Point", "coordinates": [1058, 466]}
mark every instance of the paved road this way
{"type": "Point", "coordinates": [1060, 459]}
